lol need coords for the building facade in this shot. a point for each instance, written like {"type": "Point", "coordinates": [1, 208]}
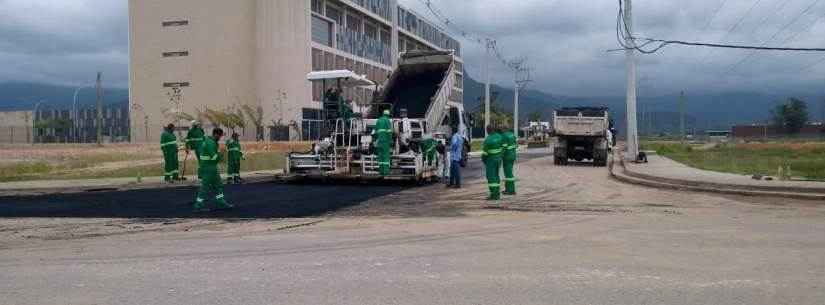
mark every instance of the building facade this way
{"type": "Point", "coordinates": [190, 55]}
{"type": "Point", "coordinates": [16, 127]}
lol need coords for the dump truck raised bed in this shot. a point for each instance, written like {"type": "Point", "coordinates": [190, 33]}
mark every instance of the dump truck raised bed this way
{"type": "Point", "coordinates": [417, 95]}
{"type": "Point", "coordinates": [583, 133]}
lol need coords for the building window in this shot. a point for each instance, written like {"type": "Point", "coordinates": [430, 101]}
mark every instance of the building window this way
{"type": "Point", "coordinates": [321, 31]}
{"type": "Point", "coordinates": [176, 54]}
{"type": "Point", "coordinates": [176, 85]}
{"type": "Point", "coordinates": [334, 14]}
{"type": "Point", "coordinates": [354, 23]}
{"type": "Point", "coordinates": [175, 23]}
{"type": "Point", "coordinates": [371, 31]}
{"type": "Point", "coordinates": [318, 6]}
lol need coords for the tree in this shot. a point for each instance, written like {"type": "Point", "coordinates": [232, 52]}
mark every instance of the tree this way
{"type": "Point", "coordinates": [534, 116]}
{"type": "Point", "coordinates": [256, 115]}
{"type": "Point", "coordinates": [791, 116]}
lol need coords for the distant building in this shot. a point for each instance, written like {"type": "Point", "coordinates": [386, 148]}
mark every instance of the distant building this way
{"type": "Point", "coordinates": [187, 55]}
{"type": "Point", "coordinates": [15, 127]}
{"type": "Point", "coordinates": [115, 119]}
{"type": "Point", "coordinates": [763, 131]}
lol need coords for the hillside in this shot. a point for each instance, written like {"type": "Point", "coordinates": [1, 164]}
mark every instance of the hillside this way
{"type": "Point", "coordinates": [20, 96]}
{"type": "Point", "coordinates": [703, 112]}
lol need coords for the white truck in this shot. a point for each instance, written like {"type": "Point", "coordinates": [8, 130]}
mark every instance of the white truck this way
{"type": "Point", "coordinates": [418, 97]}
{"type": "Point", "coordinates": [583, 133]}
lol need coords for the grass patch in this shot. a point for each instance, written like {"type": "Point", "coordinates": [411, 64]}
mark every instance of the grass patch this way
{"type": "Point", "coordinates": [476, 145]}
{"type": "Point", "coordinates": [806, 160]}
{"type": "Point", "coordinates": [31, 171]}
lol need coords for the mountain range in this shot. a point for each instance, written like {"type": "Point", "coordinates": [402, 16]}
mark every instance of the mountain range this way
{"type": "Point", "coordinates": [656, 114]}
{"type": "Point", "coordinates": [23, 96]}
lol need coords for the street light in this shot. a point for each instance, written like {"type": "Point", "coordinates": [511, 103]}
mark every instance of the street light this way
{"type": "Point", "coordinates": [35, 119]}
{"type": "Point", "coordinates": [74, 111]}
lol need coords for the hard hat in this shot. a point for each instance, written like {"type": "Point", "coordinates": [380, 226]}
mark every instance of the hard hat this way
{"type": "Point", "coordinates": [387, 112]}
{"type": "Point", "coordinates": [195, 123]}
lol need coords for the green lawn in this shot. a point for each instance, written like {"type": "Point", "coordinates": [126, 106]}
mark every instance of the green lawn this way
{"type": "Point", "coordinates": [806, 160]}
{"type": "Point", "coordinates": [83, 169]}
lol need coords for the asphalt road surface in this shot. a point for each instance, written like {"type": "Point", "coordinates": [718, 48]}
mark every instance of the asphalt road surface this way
{"type": "Point", "coordinates": [571, 236]}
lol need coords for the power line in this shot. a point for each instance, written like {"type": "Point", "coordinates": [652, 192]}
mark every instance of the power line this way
{"type": "Point", "coordinates": [715, 13]}
{"type": "Point", "coordinates": [452, 26]}
{"type": "Point", "coordinates": [782, 29]}
{"type": "Point", "coordinates": [734, 27]}
{"type": "Point", "coordinates": [623, 33]}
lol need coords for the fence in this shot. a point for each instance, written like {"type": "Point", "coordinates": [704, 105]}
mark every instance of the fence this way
{"type": "Point", "coordinates": [15, 134]}
{"type": "Point", "coordinates": [312, 130]}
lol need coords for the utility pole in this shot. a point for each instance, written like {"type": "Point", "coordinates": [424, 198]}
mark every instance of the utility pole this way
{"type": "Point", "coordinates": [682, 116]}
{"type": "Point", "coordinates": [521, 79]}
{"type": "Point", "coordinates": [490, 45]}
{"type": "Point", "coordinates": [99, 119]}
{"type": "Point", "coordinates": [632, 134]}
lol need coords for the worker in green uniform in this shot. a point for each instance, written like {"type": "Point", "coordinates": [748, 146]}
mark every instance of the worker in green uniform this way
{"type": "Point", "coordinates": [428, 149]}
{"type": "Point", "coordinates": [208, 171]}
{"type": "Point", "coordinates": [510, 150]}
{"type": "Point", "coordinates": [194, 141]}
{"type": "Point", "coordinates": [491, 156]}
{"type": "Point", "coordinates": [169, 147]}
{"type": "Point", "coordinates": [235, 155]}
{"type": "Point", "coordinates": [383, 145]}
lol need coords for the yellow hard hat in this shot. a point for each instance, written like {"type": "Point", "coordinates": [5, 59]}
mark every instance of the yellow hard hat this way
{"type": "Point", "coordinates": [387, 112]}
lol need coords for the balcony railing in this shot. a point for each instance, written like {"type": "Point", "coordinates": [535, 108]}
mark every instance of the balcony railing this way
{"type": "Point", "coordinates": [360, 44]}
{"type": "Point", "coordinates": [380, 7]}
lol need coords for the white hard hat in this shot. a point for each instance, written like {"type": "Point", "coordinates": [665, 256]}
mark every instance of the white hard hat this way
{"type": "Point", "coordinates": [387, 111]}
{"type": "Point", "coordinates": [195, 123]}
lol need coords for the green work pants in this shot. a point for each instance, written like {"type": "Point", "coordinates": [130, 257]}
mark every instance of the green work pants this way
{"type": "Point", "coordinates": [210, 183]}
{"type": "Point", "coordinates": [492, 164]}
{"type": "Point", "coordinates": [509, 177]}
{"type": "Point", "coordinates": [170, 166]}
{"type": "Point", "coordinates": [384, 159]}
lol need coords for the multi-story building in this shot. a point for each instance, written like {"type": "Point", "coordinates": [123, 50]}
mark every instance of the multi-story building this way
{"type": "Point", "coordinates": [189, 55]}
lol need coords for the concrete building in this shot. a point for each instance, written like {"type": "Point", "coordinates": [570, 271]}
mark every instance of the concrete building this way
{"type": "Point", "coordinates": [16, 127]}
{"type": "Point", "coordinates": [187, 55]}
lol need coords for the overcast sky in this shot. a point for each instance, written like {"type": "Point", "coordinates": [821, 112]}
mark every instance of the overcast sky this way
{"type": "Point", "coordinates": [565, 41]}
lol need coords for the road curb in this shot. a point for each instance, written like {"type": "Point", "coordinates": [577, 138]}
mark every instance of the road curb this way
{"type": "Point", "coordinates": [673, 184]}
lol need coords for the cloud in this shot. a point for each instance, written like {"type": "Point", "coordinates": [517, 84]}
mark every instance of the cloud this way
{"type": "Point", "coordinates": [64, 41]}
{"type": "Point", "coordinates": [565, 41]}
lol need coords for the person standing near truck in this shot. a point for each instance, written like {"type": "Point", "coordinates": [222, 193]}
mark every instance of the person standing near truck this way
{"type": "Point", "coordinates": [208, 171]}
{"type": "Point", "coordinates": [169, 147]}
{"type": "Point", "coordinates": [509, 153]}
{"type": "Point", "coordinates": [235, 155]}
{"type": "Point", "coordinates": [428, 149]}
{"type": "Point", "coordinates": [383, 131]}
{"type": "Point", "coordinates": [491, 155]}
{"type": "Point", "coordinates": [456, 152]}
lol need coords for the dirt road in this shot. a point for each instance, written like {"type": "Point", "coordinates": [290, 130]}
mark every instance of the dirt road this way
{"type": "Point", "coordinates": [572, 236]}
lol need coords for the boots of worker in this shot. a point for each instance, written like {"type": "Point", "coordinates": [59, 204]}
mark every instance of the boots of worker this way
{"type": "Point", "coordinates": [199, 206]}
{"type": "Point", "coordinates": [238, 180]}
{"type": "Point", "coordinates": [222, 204]}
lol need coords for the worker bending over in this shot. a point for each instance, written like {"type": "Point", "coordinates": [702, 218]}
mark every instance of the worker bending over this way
{"type": "Point", "coordinates": [235, 155]}
{"type": "Point", "coordinates": [208, 171]}
{"type": "Point", "coordinates": [169, 147]}
{"type": "Point", "coordinates": [491, 155]}
{"type": "Point", "coordinates": [383, 145]}
{"type": "Point", "coordinates": [509, 152]}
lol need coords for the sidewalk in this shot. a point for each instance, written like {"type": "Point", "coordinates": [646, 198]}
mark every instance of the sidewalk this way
{"type": "Point", "coordinates": [663, 172]}
{"type": "Point", "coordinates": [44, 187]}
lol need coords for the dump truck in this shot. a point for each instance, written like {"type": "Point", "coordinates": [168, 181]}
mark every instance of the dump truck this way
{"type": "Point", "coordinates": [583, 133]}
{"type": "Point", "coordinates": [417, 94]}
